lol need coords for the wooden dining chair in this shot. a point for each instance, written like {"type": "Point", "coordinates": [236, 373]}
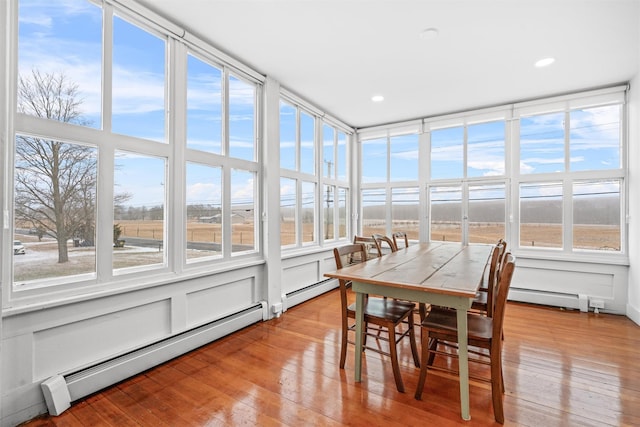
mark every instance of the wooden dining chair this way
{"type": "Point", "coordinates": [373, 250]}
{"type": "Point", "coordinates": [387, 314]}
{"type": "Point", "coordinates": [400, 237]}
{"type": "Point", "coordinates": [484, 332]}
{"type": "Point", "coordinates": [484, 300]}
{"type": "Point", "coordinates": [383, 241]}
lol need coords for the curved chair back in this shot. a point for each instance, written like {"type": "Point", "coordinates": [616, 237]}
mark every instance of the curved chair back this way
{"type": "Point", "coordinates": [382, 240]}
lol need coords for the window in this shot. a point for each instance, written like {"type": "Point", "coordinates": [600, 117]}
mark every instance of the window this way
{"type": "Point", "coordinates": [139, 211]}
{"type": "Point", "coordinates": [571, 175]}
{"type": "Point", "coordinates": [390, 199]}
{"type": "Point", "coordinates": [204, 211]}
{"type": "Point", "coordinates": [64, 178]}
{"type": "Point", "coordinates": [541, 214]}
{"type": "Point", "coordinates": [313, 198]}
{"type": "Point", "coordinates": [288, 212]}
{"type": "Point", "coordinates": [242, 104]}
{"type": "Point", "coordinates": [487, 210]}
{"type": "Point", "coordinates": [221, 142]}
{"type": "Point", "coordinates": [243, 212]}
{"type": "Point", "coordinates": [447, 153]}
{"type": "Point", "coordinates": [446, 213]}
{"type": "Point", "coordinates": [49, 52]}
{"type": "Point", "coordinates": [466, 203]}
{"type": "Point", "coordinates": [204, 106]}
{"type": "Point", "coordinates": [138, 82]}
{"type": "Point", "coordinates": [596, 215]}
{"type": "Point", "coordinates": [55, 204]}
{"type": "Point", "coordinates": [298, 196]}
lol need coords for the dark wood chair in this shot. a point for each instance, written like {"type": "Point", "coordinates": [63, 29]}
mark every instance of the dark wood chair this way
{"type": "Point", "coordinates": [373, 250]}
{"type": "Point", "coordinates": [383, 241]}
{"type": "Point", "coordinates": [400, 237]}
{"type": "Point", "coordinates": [485, 332]}
{"type": "Point", "coordinates": [484, 300]}
{"type": "Point", "coordinates": [387, 314]}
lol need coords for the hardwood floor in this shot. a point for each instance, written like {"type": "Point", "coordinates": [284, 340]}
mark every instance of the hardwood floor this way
{"type": "Point", "coordinates": [561, 368]}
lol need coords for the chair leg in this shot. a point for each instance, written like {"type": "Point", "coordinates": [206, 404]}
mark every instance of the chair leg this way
{"type": "Point", "coordinates": [432, 346]}
{"type": "Point", "coordinates": [424, 344]}
{"type": "Point", "coordinates": [412, 339]}
{"type": "Point", "coordinates": [497, 387]}
{"type": "Point", "coordinates": [393, 352]}
{"type": "Point", "coordinates": [343, 347]}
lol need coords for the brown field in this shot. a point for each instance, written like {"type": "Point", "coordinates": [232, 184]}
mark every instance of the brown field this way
{"type": "Point", "coordinates": [41, 258]}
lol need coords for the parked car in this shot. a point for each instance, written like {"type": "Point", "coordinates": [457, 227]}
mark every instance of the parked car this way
{"type": "Point", "coordinates": [18, 248]}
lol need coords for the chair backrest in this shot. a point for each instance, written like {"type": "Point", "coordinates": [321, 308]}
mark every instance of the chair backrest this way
{"type": "Point", "coordinates": [382, 240]}
{"type": "Point", "coordinates": [372, 249]}
{"type": "Point", "coordinates": [497, 260]}
{"type": "Point", "coordinates": [348, 255]}
{"type": "Point", "coordinates": [400, 237]}
{"type": "Point", "coordinates": [502, 292]}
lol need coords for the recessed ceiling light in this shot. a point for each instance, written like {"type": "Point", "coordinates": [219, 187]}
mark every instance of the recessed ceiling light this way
{"type": "Point", "coordinates": [429, 34]}
{"type": "Point", "coordinates": [377, 98]}
{"type": "Point", "coordinates": [545, 62]}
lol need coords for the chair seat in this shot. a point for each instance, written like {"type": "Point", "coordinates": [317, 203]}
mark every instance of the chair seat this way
{"type": "Point", "coordinates": [444, 321]}
{"type": "Point", "coordinates": [388, 309]}
{"type": "Point", "coordinates": [480, 301]}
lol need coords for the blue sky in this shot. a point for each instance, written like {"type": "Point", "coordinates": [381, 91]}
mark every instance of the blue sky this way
{"type": "Point", "coordinates": [66, 36]}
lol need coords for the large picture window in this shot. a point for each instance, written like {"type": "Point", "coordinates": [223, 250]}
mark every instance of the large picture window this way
{"type": "Point", "coordinates": [390, 199]}
{"type": "Point", "coordinates": [105, 139]}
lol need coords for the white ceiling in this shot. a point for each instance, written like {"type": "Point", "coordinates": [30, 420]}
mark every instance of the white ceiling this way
{"type": "Point", "coordinates": [336, 54]}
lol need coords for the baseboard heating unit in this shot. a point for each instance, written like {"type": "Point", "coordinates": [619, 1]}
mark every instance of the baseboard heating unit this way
{"type": "Point", "coordinates": [60, 390]}
{"type": "Point", "coordinates": [301, 295]}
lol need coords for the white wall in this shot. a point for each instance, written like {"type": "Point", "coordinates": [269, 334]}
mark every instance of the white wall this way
{"type": "Point", "coordinates": [633, 300]}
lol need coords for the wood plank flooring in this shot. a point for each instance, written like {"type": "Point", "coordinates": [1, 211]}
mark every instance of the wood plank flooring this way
{"type": "Point", "coordinates": [561, 368]}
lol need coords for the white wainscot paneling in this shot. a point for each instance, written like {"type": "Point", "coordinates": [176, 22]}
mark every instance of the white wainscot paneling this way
{"type": "Point", "coordinates": [562, 282]}
{"type": "Point", "coordinates": [206, 305]}
{"type": "Point", "coordinates": [66, 347]}
{"type": "Point", "coordinates": [299, 276]}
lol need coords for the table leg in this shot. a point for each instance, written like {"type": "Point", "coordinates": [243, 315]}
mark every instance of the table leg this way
{"type": "Point", "coordinates": [463, 362]}
{"type": "Point", "coordinates": [359, 329]}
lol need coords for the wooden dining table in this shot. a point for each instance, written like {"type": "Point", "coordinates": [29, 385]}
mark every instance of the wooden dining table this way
{"type": "Point", "coordinates": [439, 273]}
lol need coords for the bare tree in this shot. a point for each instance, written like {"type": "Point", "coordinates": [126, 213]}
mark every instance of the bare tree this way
{"type": "Point", "coordinates": [55, 181]}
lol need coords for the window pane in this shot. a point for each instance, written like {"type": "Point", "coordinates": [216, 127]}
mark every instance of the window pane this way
{"type": "Point", "coordinates": [138, 82]}
{"type": "Point", "coordinates": [342, 157]}
{"type": "Point", "coordinates": [204, 211]}
{"type": "Point", "coordinates": [288, 217]}
{"type": "Point", "coordinates": [486, 213]}
{"type": "Point", "coordinates": [61, 43]}
{"type": "Point", "coordinates": [139, 210]}
{"type": "Point", "coordinates": [342, 213]}
{"type": "Point", "coordinates": [541, 214]}
{"type": "Point", "coordinates": [485, 149]}
{"type": "Point", "coordinates": [374, 214]}
{"type": "Point", "coordinates": [595, 138]}
{"type": "Point", "coordinates": [446, 214]}
{"type": "Point", "coordinates": [329, 210]}
{"type": "Point", "coordinates": [596, 215]}
{"type": "Point", "coordinates": [374, 160]}
{"type": "Point", "coordinates": [287, 136]}
{"type": "Point", "coordinates": [307, 143]}
{"type": "Point", "coordinates": [308, 212]}
{"type": "Point", "coordinates": [242, 100]}
{"type": "Point", "coordinates": [55, 209]}
{"type": "Point", "coordinates": [405, 211]}
{"type": "Point", "coordinates": [404, 158]}
{"type": "Point", "coordinates": [243, 231]}
{"type": "Point", "coordinates": [542, 143]}
{"type": "Point", "coordinates": [204, 106]}
{"type": "Point", "coordinates": [328, 145]}
{"type": "Point", "coordinates": [447, 153]}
